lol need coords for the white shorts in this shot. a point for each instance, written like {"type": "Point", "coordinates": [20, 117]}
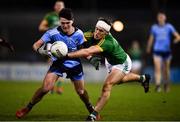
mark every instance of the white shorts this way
{"type": "Point", "coordinates": [125, 67]}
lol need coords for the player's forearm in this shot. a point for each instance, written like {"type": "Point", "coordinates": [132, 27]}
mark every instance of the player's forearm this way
{"type": "Point", "coordinates": [149, 45]}
{"type": "Point", "coordinates": [79, 53]}
{"type": "Point", "coordinates": [177, 37]}
{"type": "Point", "coordinates": [37, 45]}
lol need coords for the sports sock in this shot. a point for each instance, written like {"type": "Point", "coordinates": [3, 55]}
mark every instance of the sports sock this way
{"type": "Point", "coordinates": [30, 105]}
{"type": "Point", "coordinates": [85, 98]}
{"type": "Point", "coordinates": [142, 78]}
{"type": "Point", "coordinates": [94, 114]}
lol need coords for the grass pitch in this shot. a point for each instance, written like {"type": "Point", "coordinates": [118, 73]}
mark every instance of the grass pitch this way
{"type": "Point", "coordinates": [128, 102]}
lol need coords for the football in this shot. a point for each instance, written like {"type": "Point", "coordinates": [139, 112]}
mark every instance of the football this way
{"type": "Point", "coordinates": [59, 49]}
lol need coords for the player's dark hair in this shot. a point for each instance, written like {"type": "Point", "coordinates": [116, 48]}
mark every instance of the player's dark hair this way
{"type": "Point", "coordinates": [59, 1]}
{"type": "Point", "coordinates": [108, 21]}
{"type": "Point", "coordinates": [161, 12]}
{"type": "Point", "coordinates": [66, 13]}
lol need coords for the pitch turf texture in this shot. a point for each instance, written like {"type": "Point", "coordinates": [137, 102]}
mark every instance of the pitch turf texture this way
{"type": "Point", "coordinates": [127, 102]}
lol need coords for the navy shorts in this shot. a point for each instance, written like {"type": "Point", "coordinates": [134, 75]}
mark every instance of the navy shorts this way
{"type": "Point", "coordinates": [163, 55]}
{"type": "Point", "coordinates": [74, 73]}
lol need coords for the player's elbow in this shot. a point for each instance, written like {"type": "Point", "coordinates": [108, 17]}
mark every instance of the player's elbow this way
{"type": "Point", "coordinates": [34, 47]}
{"type": "Point", "coordinates": [42, 28]}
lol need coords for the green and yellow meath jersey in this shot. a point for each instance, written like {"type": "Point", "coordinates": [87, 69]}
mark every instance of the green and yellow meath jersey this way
{"type": "Point", "coordinates": [110, 48]}
{"type": "Point", "coordinates": [53, 19]}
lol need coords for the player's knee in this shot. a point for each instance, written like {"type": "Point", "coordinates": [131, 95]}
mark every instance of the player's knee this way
{"type": "Point", "coordinates": [106, 92]}
{"type": "Point", "coordinates": [107, 87]}
{"type": "Point", "coordinates": [108, 84]}
{"type": "Point", "coordinates": [80, 91]}
{"type": "Point", "coordinates": [47, 88]}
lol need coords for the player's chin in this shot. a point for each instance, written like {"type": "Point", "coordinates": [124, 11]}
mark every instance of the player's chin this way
{"type": "Point", "coordinates": [96, 37]}
{"type": "Point", "coordinates": [65, 30]}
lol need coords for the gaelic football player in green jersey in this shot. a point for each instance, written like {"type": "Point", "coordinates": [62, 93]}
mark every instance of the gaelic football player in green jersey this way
{"type": "Point", "coordinates": [51, 19]}
{"type": "Point", "coordinates": [117, 62]}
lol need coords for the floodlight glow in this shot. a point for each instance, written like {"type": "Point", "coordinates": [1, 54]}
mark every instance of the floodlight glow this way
{"type": "Point", "coordinates": [118, 26]}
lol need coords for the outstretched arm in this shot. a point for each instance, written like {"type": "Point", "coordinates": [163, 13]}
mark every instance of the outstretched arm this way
{"type": "Point", "coordinates": [84, 52]}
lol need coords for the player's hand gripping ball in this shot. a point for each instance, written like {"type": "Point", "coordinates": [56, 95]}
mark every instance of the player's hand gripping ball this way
{"type": "Point", "coordinates": [59, 49]}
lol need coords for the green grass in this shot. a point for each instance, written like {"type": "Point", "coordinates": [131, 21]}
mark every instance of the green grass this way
{"type": "Point", "coordinates": [127, 102]}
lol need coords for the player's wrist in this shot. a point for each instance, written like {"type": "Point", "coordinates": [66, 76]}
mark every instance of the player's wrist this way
{"type": "Point", "coordinates": [37, 50]}
{"type": "Point", "coordinates": [42, 51]}
{"type": "Point", "coordinates": [67, 55]}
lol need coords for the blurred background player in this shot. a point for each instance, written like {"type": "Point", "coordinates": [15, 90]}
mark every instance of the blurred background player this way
{"type": "Point", "coordinates": [50, 21]}
{"type": "Point", "coordinates": [5, 43]}
{"type": "Point", "coordinates": [73, 37]}
{"type": "Point", "coordinates": [160, 39]}
{"type": "Point", "coordinates": [117, 61]}
{"type": "Point", "coordinates": [135, 53]}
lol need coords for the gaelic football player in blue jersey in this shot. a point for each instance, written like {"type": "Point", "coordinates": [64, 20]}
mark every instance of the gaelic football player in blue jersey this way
{"type": "Point", "coordinates": [160, 40]}
{"type": "Point", "coordinates": [73, 37]}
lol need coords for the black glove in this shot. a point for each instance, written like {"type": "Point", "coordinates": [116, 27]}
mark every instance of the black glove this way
{"type": "Point", "coordinates": [95, 61]}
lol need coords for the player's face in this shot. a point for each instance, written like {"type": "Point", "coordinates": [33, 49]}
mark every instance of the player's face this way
{"type": "Point", "coordinates": [58, 6]}
{"type": "Point", "coordinates": [66, 25]}
{"type": "Point", "coordinates": [99, 33]}
{"type": "Point", "coordinates": [161, 18]}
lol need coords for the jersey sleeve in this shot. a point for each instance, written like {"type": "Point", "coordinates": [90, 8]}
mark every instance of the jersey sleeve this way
{"type": "Point", "coordinates": [104, 45]}
{"type": "Point", "coordinates": [46, 37]}
{"type": "Point", "coordinates": [88, 35]}
{"type": "Point", "coordinates": [81, 38]}
{"type": "Point", "coordinates": [152, 30]}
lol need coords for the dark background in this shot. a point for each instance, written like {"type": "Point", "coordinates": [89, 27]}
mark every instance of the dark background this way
{"type": "Point", "coordinates": [19, 21]}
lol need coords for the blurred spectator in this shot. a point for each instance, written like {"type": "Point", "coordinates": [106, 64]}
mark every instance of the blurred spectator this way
{"type": "Point", "coordinates": [136, 56]}
{"type": "Point", "coordinates": [160, 39]}
{"type": "Point", "coordinates": [5, 43]}
{"type": "Point", "coordinates": [51, 19]}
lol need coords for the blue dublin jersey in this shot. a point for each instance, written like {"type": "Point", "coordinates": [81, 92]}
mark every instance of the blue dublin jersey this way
{"type": "Point", "coordinates": [72, 41]}
{"type": "Point", "coordinates": [162, 37]}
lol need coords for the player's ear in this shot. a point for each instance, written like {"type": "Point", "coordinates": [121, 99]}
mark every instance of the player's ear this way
{"type": "Point", "coordinates": [72, 21]}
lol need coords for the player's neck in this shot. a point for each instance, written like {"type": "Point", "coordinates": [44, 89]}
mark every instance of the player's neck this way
{"type": "Point", "coordinates": [72, 29]}
{"type": "Point", "coordinates": [162, 23]}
